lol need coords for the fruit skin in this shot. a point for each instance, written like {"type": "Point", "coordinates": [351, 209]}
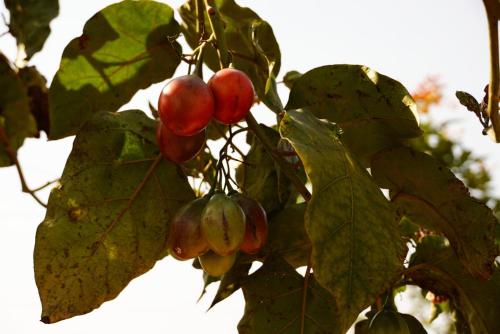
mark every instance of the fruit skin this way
{"type": "Point", "coordinates": [413, 324]}
{"type": "Point", "coordinates": [223, 224]}
{"type": "Point", "coordinates": [256, 229]}
{"type": "Point", "coordinates": [216, 265]}
{"type": "Point", "coordinates": [176, 148]}
{"type": "Point", "coordinates": [185, 240]}
{"type": "Point", "coordinates": [233, 94]}
{"type": "Point", "coordinates": [186, 105]}
{"type": "Point", "coordinates": [388, 322]}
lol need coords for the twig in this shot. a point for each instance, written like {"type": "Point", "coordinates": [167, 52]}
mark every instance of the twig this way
{"type": "Point", "coordinates": [285, 166]}
{"type": "Point", "coordinates": [492, 12]}
{"type": "Point", "coordinates": [13, 158]}
{"type": "Point", "coordinates": [131, 200]}
{"type": "Point", "coordinates": [221, 132]}
{"type": "Point", "coordinates": [48, 183]}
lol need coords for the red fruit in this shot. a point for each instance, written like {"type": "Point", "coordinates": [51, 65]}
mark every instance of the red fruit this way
{"type": "Point", "coordinates": [176, 148]}
{"type": "Point", "coordinates": [233, 94]}
{"type": "Point", "coordinates": [185, 240]}
{"type": "Point", "coordinates": [256, 224]}
{"type": "Point", "coordinates": [186, 105]}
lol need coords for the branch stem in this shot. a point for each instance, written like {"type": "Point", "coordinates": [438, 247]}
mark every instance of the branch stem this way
{"type": "Point", "coordinates": [492, 9]}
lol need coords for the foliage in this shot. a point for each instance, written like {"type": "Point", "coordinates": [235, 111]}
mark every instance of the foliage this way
{"type": "Point", "coordinates": [348, 130]}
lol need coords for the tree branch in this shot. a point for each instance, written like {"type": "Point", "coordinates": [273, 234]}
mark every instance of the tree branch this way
{"type": "Point", "coordinates": [493, 14]}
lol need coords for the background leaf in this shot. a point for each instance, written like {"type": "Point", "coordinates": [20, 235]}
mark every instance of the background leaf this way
{"type": "Point", "coordinates": [373, 110]}
{"type": "Point", "coordinates": [81, 258]}
{"type": "Point", "coordinates": [30, 22]}
{"type": "Point", "coordinates": [357, 250]}
{"type": "Point", "coordinates": [259, 178]}
{"type": "Point", "coordinates": [273, 296]}
{"type": "Point", "coordinates": [36, 87]}
{"type": "Point", "coordinates": [477, 301]}
{"type": "Point", "coordinates": [249, 39]}
{"type": "Point", "coordinates": [125, 47]}
{"type": "Point", "coordinates": [15, 119]}
{"type": "Point", "coordinates": [431, 196]}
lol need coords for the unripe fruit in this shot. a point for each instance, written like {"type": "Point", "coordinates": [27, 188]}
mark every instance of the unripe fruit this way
{"type": "Point", "coordinates": [256, 229]}
{"type": "Point", "coordinates": [176, 148]}
{"type": "Point", "coordinates": [186, 105]}
{"type": "Point", "coordinates": [223, 224]}
{"type": "Point", "coordinates": [216, 265]}
{"type": "Point", "coordinates": [185, 240]}
{"type": "Point", "coordinates": [388, 322]}
{"type": "Point", "coordinates": [233, 94]}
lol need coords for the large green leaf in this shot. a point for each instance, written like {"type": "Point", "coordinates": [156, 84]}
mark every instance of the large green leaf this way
{"type": "Point", "coordinates": [430, 195]}
{"type": "Point", "coordinates": [357, 250]}
{"type": "Point", "coordinates": [16, 122]}
{"type": "Point", "coordinates": [102, 228]}
{"type": "Point", "coordinates": [29, 22]}
{"type": "Point", "coordinates": [259, 178]}
{"type": "Point", "coordinates": [273, 297]}
{"type": "Point", "coordinates": [288, 237]}
{"type": "Point", "coordinates": [250, 41]}
{"type": "Point", "coordinates": [373, 110]}
{"type": "Point", "coordinates": [435, 267]}
{"type": "Point", "coordinates": [125, 47]}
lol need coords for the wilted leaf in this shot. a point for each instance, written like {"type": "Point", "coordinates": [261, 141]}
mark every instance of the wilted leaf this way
{"type": "Point", "coordinates": [469, 102]}
{"type": "Point", "coordinates": [288, 237]}
{"type": "Point", "coordinates": [259, 177]}
{"type": "Point", "coordinates": [250, 41]}
{"type": "Point", "coordinates": [16, 122]}
{"type": "Point", "coordinates": [125, 47]}
{"type": "Point", "coordinates": [431, 196]}
{"type": "Point", "coordinates": [373, 110]}
{"type": "Point", "coordinates": [357, 250]}
{"type": "Point", "coordinates": [30, 22]}
{"type": "Point", "coordinates": [273, 296]}
{"type": "Point", "coordinates": [438, 270]}
{"type": "Point", "coordinates": [107, 222]}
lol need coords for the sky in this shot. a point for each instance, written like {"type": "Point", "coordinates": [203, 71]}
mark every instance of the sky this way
{"type": "Point", "coordinates": [406, 40]}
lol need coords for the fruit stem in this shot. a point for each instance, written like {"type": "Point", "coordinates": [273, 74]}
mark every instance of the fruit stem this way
{"type": "Point", "coordinates": [492, 10]}
{"type": "Point", "coordinates": [285, 166]}
{"type": "Point", "coordinates": [218, 30]}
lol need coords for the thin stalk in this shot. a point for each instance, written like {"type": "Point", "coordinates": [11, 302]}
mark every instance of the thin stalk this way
{"type": "Point", "coordinates": [492, 9]}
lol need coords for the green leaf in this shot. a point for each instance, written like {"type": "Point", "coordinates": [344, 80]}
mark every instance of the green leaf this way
{"type": "Point", "coordinates": [250, 41]}
{"type": "Point", "coordinates": [16, 122]}
{"type": "Point", "coordinates": [108, 221]}
{"type": "Point", "coordinates": [125, 47]}
{"type": "Point", "coordinates": [357, 250]}
{"type": "Point", "coordinates": [30, 22]}
{"type": "Point", "coordinates": [431, 196]}
{"type": "Point", "coordinates": [288, 237]}
{"type": "Point", "coordinates": [439, 271]}
{"type": "Point", "coordinates": [273, 296]}
{"type": "Point", "coordinates": [373, 110]}
{"type": "Point", "coordinates": [259, 178]}
{"type": "Point", "coordinates": [291, 77]}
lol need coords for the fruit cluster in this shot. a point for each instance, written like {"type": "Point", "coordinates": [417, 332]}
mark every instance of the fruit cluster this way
{"type": "Point", "coordinates": [214, 228]}
{"type": "Point", "coordinates": [187, 104]}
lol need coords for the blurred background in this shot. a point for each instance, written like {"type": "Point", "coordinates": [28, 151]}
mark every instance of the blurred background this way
{"type": "Point", "coordinates": [434, 48]}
